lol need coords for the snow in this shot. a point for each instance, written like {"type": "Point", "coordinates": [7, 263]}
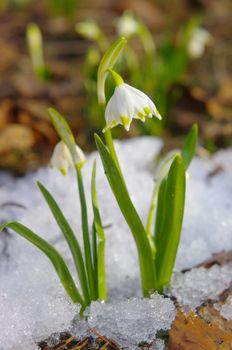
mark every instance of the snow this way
{"type": "Point", "coordinates": [130, 321]}
{"type": "Point", "coordinates": [33, 303]}
{"type": "Point", "coordinates": [192, 288]}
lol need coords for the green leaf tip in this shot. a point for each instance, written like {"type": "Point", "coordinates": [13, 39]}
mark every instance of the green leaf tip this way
{"type": "Point", "coordinates": [3, 226]}
{"type": "Point", "coordinates": [53, 255]}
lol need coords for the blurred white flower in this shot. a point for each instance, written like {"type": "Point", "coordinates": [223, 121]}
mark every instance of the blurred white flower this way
{"type": "Point", "coordinates": [127, 25]}
{"type": "Point", "coordinates": [62, 159]}
{"type": "Point", "coordinates": [199, 40]}
{"type": "Point", "coordinates": [89, 29]}
{"type": "Point", "coordinates": [127, 103]}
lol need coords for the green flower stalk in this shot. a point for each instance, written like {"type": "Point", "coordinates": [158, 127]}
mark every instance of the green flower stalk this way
{"type": "Point", "coordinates": [108, 61]}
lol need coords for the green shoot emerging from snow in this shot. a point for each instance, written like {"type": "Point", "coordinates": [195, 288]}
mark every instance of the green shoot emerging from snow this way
{"type": "Point", "coordinates": [157, 243]}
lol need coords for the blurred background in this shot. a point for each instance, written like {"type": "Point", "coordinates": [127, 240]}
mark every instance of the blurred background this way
{"type": "Point", "coordinates": [179, 52]}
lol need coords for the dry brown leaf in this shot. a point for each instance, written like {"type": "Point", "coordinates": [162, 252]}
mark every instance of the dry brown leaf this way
{"type": "Point", "coordinates": [190, 332]}
{"type": "Point", "coordinates": [16, 137]}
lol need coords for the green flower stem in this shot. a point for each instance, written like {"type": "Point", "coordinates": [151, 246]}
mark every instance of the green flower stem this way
{"type": "Point", "coordinates": [98, 229]}
{"type": "Point", "coordinates": [85, 230]}
{"type": "Point", "coordinates": [110, 144]}
{"type": "Point", "coordinates": [95, 255]}
{"type": "Point", "coordinates": [108, 61]}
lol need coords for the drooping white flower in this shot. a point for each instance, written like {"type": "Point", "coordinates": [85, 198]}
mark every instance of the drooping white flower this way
{"type": "Point", "coordinates": [127, 25]}
{"type": "Point", "coordinates": [62, 159]}
{"type": "Point", "coordinates": [127, 103]}
{"type": "Point", "coordinates": [199, 40]}
{"type": "Point", "coordinates": [89, 29]}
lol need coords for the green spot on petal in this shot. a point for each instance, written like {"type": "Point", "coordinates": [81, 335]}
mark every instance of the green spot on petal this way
{"type": "Point", "coordinates": [63, 171]}
{"type": "Point", "coordinates": [125, 121]}
{"type": "Point", "coordinates": [147, 110]}
{"type": "Point", "coordinates": [141, 116]}
{"type": "Point", "coordinates": [158, 115]}
{"type": "Point", "coordinates": [114, 123]}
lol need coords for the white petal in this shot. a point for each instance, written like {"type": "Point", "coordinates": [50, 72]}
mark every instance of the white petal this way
{"type": "Point", "coordinates": [142, 101]}
{"type": "Point", "coordinates": [61, 157]}
{"type": "Point", "coordinates": [120, 105]}
{"type": "Point", "coordinates": [81, 156]}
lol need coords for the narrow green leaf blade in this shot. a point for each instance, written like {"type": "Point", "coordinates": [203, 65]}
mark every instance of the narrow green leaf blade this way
{"type": "Point", "coordinates": [160, 214]}
{"type": "Point", "coordinates": [133, 220]}
{"type": "Point", "coordinates": [86, 240]}
{"type": "Point", "coordinates": [169, 221]}
{"type": "Point", "coordinates": [53, 255]}
{"type": "Point", "coordinates": [163, 171]}
{"type": "Point", "coordinates": [101, 239]}
{"type": "Point", "coordinates": [94, 253]}
{"type": "Point", "coordinates": [70, 238]}
{"type": "Point", "coordinates": [189, 147]}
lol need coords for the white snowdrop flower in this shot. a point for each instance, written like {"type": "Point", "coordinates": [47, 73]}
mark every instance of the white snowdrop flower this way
{"type": "Point", "coordinates": [88, 29]}
{"type": "Point", "coordinates": [127, 25]}
{"type": "Point", "coordinates": [127, 103]}
{"type": "Point", "coordinates": [200, 39]}
{"type": "Point", "coordinates": [62, 159]}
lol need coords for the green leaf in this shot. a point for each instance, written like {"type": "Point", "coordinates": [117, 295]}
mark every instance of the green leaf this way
{"type": "Point", "coordinates": [130, 214]}
{"type": "Point", "coordinates": [53, 255]}
{"type": "Point", "coordinates": [108, 61]}
{"type": "Point", "coordinates": [86, 240]}
{"type": "Point", "coordinates": [163, 171]}
{"type": "Point", "coordinates": [160, 214]}
{"type": "Point", "coordinates": [101, 239]}
{"type": "Point", "coordinates": [35, 46]}
{"type": "Point", "coordinates": [94, 254]}
{"type": "Point", "coordinates": [169, 218]}
{"type": "Point", "coordinates": [189, 148]}
{"type": "Point", "coordinates": [70, 238]}
{"type": "Point", "coordinates": [64, 132]}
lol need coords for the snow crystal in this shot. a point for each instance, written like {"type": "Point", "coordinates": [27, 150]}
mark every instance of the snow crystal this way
{"type": "Point", "coordinates": [226, 308]}
{"type": "Point", "coordinates": [194, 287]}
{"type": "Point", "coordinates": [132, 321]}
{"type": "Point", "coordinates": [32, 301]}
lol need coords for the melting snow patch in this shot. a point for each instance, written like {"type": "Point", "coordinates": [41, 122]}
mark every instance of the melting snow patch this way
{"type": "Point", "coordinates": [132, 321]}
{"type": "Point", "coordinates": [194, 287]}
